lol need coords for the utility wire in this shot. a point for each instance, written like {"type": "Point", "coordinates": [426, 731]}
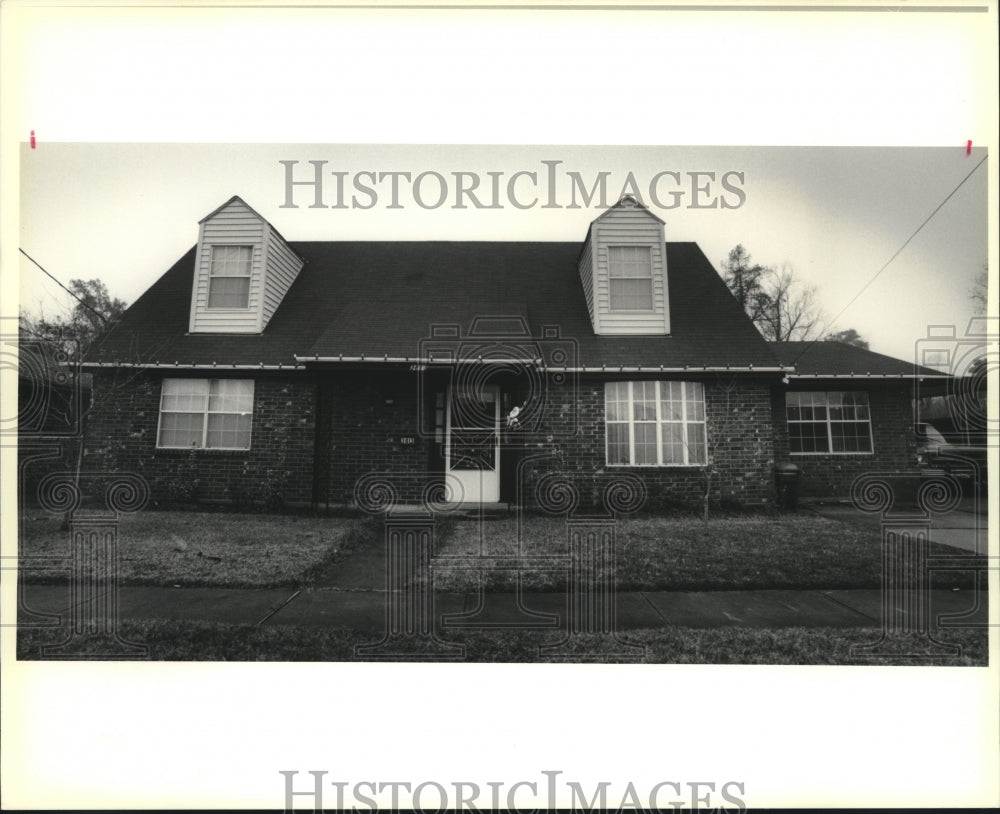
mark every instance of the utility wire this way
{"type": "Point", "coordinates": [894, 256]}
{"type": "Point", "coordinates": [85, 304]}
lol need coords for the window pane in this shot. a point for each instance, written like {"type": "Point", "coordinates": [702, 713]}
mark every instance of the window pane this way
{"type": "Point", "coordinates": [616, 401]}
{"type": "Point", "coordinates": [851, 437]}
{"type": "Point", "coordinates": [631, 295]}
{"type": "Point", "coordinates": [231, 261]}
{"type": "Point", "coordinates": [616, 390]}
{"type": "Point", "coordinates": [671, 405]}
{"type": "Point", "coordinates": [696, 444]}
{"type": "Point", "coordinates": [229, 292]}
{"type": "Point", "coordinates": [630, 261]}
{"type": "Point", "coordinates": [695, 401]}
{"type": "Point", "coordinates": [184, 395]}
{"type": "Point", "coordinates": [645, 443]}
{"type": "Point", "coordinates": [808, 437]}
{"type": "Point", "coordinates": [673, 444]}
{"type": "Point", "coordinates": [644, 401]}
{"type": "Point", "coordinates": [228, 431]}
{"type": "Point", "coordinates": [181, 429]}
{"type": "Point", "coordinates": [231, 396]}
{"type": "Point", "coordinates": [618, 444]}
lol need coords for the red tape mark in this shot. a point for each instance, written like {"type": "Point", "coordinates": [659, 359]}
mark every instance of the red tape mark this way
{"type": "Point", "coordinates": [968, 147]}
{"type": "Point", "coordinates": [33, 140]}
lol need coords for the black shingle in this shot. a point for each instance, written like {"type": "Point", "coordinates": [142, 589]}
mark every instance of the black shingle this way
{"type": "Point", "coordinates": [377, 298]}
{"type": "Point", "coordinates": [839, 359]}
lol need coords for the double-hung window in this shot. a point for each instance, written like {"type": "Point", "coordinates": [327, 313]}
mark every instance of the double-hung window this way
{"type": "Point", "coordinates": [830, 422]}
{"type": "Point", "coordinates": [229, 277]}
{"type": "Point", "coordinates": [205, 414]}
{"type": "Point", "coordinates": [655, 423]}
{"type": "Point", "coordinates": [630, 278]}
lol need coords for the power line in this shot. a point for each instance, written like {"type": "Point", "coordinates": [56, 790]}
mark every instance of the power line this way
{"type": "Point", "coordinates": [86, 305]}
{"type": "Point", "coordinates": [894, 256]}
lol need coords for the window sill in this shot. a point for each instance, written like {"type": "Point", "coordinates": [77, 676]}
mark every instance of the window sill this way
{"type": "Point", "coordinates": [656, 466]}
{"type": "Point", "coordinates": [203, 449]}
{"type": "Point", "coordinates": [828, 454]}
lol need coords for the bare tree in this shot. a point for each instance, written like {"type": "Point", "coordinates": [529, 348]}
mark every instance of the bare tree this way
{"type": "Point", "coordinates": [848, 337]}
{"type": "Point", "coordinates": [793, 311]}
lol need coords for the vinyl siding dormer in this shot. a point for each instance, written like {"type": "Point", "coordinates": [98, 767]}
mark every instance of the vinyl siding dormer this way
{"type": "Point", "coordinates": [623, 270]}
{"type": "Point", "coordinates": [243, 269]}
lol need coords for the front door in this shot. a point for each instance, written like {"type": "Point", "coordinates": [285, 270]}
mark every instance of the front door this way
{"type": "Point", "coordinates": [472, 443]}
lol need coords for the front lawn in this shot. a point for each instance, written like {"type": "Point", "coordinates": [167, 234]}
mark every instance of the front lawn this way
{"type": "Point", "coordinates": [739, 552]}
{"type": "Point", "coordinates": [206, 548]}
{"type": "Point", "coordinates": [206, 641]}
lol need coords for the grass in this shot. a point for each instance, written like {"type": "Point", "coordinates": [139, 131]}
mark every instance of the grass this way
{"type": "Point", "coordinates": [205, 641]}
{"type": "Point", "coordinates": [672, 553]}
{"type": "Point", "coordinates": [207, 548]}
{"type": "Point", "coordinates": [741, 552]}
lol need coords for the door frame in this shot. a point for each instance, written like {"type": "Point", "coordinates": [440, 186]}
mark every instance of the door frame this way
{"type": "Point", "coordinates": [487, 490]}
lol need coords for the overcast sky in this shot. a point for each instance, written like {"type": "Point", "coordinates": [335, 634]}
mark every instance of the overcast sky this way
{"type": "Point", "coordinates": [124, 213]}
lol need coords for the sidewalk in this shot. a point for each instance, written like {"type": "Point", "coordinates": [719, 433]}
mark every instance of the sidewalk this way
{"type": "Point", "coordinates": [366, 610]}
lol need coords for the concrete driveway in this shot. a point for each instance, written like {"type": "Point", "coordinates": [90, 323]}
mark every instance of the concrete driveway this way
{"type": "Point", "coordinates": [964, 528]}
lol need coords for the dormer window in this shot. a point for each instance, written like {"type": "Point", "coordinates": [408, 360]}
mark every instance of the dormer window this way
{"type": "Point", "coordinates": [630, 272]}
{"type": "Point", "coordinates": [623, 271]}
{"type": "Point", "coordinates": [229, 277]}
{"type": "Point", "coordinates": [242, 270]}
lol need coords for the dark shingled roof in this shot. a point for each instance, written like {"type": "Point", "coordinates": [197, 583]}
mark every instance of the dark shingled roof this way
{"type": "Point", "coordinates": [381, 298]}
{"type": "Point", "coordinates": [839, 359]}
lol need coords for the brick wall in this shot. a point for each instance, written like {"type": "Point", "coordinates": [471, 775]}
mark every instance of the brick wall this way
{"type": "Point", "coordinates": [121, 435]}
{"type": "Point", "coordinates": [368, 418]}
{"type": "Point", "coordinates": [738, 412]}
{"type": "Point", "coordinates": [370, 415]}
{"type": "Point", "coordinates": [894, 446]}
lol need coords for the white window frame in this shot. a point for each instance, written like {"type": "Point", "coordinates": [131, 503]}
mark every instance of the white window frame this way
{"type": "Point", "coordinates": [830, 422]}
{"type": "Point", "coordinates": [205, 414]}
{"type": "Point", "coordinates": [248, 276]}
{"type": "Point", "coordinates": [660, 421]}
{"type": "Point", "coordinates": [612, 278]}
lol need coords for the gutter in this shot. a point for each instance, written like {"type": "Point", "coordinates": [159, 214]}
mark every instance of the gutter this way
{"type": "Point", "coordinates": [539, 363]}
{"type": "Point", "coordinates": [941, 376]}
{"type": "Point", "coordinates": [189, 366]}
{"type": "Point", "coordinates": [301, 363]}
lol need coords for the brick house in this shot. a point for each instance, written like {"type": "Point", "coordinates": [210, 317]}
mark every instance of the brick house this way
{"type": "Point", "coordinates": [291, 371]}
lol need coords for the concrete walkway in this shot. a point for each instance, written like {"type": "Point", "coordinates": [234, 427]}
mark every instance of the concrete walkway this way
{"type": "Point", "coordinates": [366, 610]}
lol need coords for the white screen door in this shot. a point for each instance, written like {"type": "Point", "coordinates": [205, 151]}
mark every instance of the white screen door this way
{"type": "Point", "coordinates": [472, 445]}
